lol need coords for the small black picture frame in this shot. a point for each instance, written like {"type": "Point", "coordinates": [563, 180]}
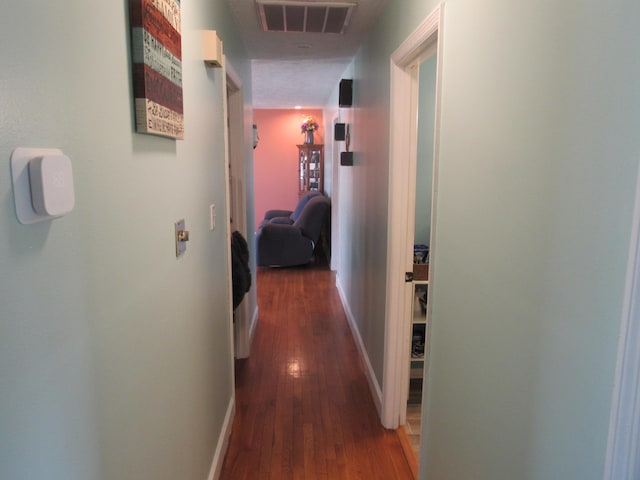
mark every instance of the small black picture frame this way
{"type": "Point", "coordinates": [345, 94]}
{"type": "Point", "coordinates": [339, 131]}
{"type": "Point", "coordinates": [346, 159]}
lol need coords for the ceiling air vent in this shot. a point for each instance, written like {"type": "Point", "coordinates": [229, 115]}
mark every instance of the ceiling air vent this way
{"type": "Point", "coordinates": [307, 17]}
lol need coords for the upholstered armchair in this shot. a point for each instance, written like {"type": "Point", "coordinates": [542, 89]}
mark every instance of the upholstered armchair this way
{"type": "Point", "coordinates": [288, 217]}
{"type": "Point", "coordinates": [284, 245]}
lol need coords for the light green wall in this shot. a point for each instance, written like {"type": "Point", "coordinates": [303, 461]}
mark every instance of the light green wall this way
{"type": "Point", "coordinates": [115, 357]}
{"type": "Point", "coordinates": [424, 163]}
{"type": "Point", "coordinates": [363, 188]}
{"type": "Point", "coordinates": [361, 224]}
{"type": "Point", "coordinates": [538, 161]}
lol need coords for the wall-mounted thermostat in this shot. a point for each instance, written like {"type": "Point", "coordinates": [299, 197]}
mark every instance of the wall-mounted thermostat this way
{"type": "Point", "coordinates": [42, 184]}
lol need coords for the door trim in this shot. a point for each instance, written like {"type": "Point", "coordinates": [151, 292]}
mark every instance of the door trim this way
{"type": "Point", "coordinates": [236, 200]}
{"type": "Point", "coordinates": [622, 459]}
{"type": "Point", "coordinates": [402, 153]}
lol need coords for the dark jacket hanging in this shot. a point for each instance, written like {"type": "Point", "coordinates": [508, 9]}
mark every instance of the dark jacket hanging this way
{"type": "Point", "coordinates": [240, 272]}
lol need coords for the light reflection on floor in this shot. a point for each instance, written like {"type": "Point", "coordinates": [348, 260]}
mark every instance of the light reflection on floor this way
{"type": "Point", "coordinates": [295, 367]}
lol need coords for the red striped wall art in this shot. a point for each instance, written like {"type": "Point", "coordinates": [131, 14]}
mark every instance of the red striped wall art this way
{"type": "Point", "coordinates": [156, 44]}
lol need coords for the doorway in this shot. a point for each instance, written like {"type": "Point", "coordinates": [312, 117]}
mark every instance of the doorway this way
{"type": "Point", "coordinates": [411, 418]}
{"type": "Point", "coordinates": [421, 45]}
{"type": "Point", "coordinates": [237, 195]}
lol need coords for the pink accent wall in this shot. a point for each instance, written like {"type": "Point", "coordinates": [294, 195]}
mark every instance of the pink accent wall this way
{"type": "Point", "coordinates": [275, 159]}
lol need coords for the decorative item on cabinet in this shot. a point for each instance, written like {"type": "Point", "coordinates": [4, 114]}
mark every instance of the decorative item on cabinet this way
{"type": "Point", "coordinates": [309, 125]}
{"type": "Point", "coordinates": [308, 139]}
{"type": "Point", "coordinates": [310, 168]}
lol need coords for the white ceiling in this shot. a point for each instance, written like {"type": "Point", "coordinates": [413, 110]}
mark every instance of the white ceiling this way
{"type": "Point", "coordinates": [292, 68]}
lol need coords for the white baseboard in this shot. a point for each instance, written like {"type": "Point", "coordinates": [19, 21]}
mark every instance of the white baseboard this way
{"type": "Point", "coordinates": [223, 441]}
{"type": "Point", "coordinates": [374, 387]}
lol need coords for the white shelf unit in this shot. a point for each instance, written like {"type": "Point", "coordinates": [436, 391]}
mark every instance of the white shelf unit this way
{"type": "Point", "coordinates": [418, 328]}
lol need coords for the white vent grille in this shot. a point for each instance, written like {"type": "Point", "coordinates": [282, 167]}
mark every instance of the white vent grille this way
{"type": "Point", "coordinates": [304, 17]}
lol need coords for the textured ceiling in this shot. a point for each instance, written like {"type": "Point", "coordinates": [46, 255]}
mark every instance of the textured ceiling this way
{"type": "Point", "coordinates": [290, 69]}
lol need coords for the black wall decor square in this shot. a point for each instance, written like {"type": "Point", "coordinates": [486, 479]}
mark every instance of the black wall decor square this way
{"type": "Point", "coordinates": [339, 131]}
{"type": "Point", "coordinates": [346, 159]}
{"type": "Point", "coordinates": [346, 93]}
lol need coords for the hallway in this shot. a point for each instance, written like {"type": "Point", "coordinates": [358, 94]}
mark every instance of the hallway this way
{"type": "Point", "coordinates": [303, 407]}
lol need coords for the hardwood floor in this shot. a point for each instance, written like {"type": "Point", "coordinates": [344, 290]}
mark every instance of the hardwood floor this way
{"type": "Point", "coordinates": [303, 407]}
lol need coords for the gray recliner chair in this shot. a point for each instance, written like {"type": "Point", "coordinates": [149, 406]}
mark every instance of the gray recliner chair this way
{"type": "Point", "coordinates": [286, 245]}
{"type": "Point", "coordinates": [287, 216]}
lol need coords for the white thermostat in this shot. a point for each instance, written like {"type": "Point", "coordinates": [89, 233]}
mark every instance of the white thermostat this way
{"type": "Point", "coordinates": [42, 184]}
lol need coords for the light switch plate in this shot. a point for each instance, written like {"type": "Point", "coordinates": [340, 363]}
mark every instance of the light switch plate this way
{"type": "Point", "coordinates": [181, 246]}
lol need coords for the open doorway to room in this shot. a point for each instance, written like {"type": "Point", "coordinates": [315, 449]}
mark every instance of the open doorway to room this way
{"type": "Point", "coordinates": [288, 172]}
{"type": "Point", "coordinates": [412, 211]}
{"type": "Point", "coordinates": [237, 195]}
{"type": "Point", "coordinates": [426, 74]}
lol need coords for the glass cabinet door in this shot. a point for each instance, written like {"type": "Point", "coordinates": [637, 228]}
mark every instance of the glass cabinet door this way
{"type": "Point", "coordinates": [304, 170]}
{"type": "Point", "coordinates": [310, 163]}
{"type": "Point", "coordinates": [314, 170]}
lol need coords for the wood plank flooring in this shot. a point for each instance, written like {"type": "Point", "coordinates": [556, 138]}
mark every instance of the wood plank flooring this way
{"type": "Point", "coordinates": [303, 406]}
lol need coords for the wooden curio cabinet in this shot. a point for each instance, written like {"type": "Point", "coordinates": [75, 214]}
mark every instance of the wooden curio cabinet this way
{"type": "Point", "coordinates": [310, 168]}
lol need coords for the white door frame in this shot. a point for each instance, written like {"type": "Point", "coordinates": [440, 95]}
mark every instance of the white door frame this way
{"type": "Point", "coordinates": [403, 152]}
{"type": "Point", "coordinates": [622, 460]}
{"type": "Point", "coordinates": [234, 116]}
